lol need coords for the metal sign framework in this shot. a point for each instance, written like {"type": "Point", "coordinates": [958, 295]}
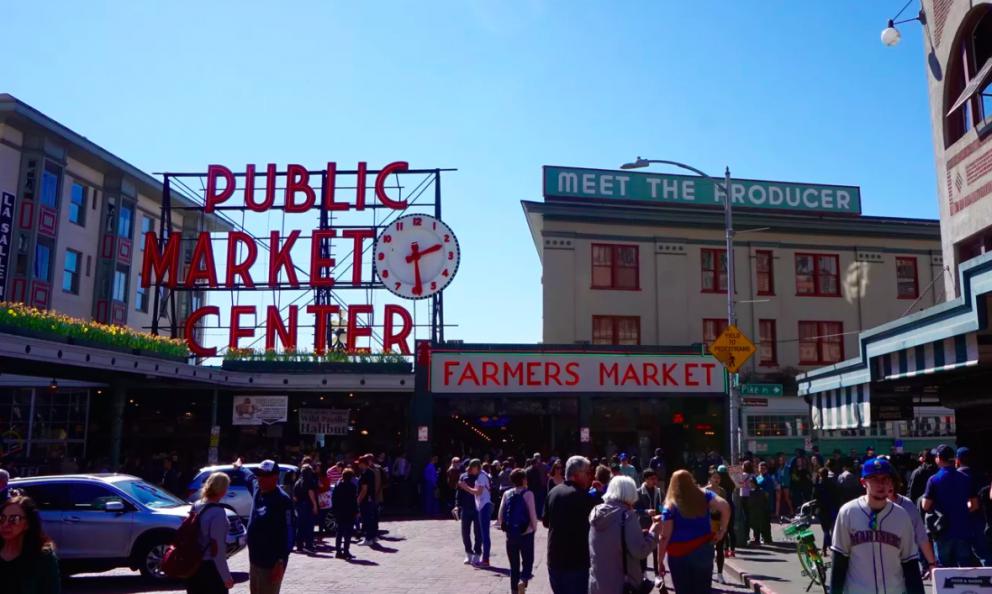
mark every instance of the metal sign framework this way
{"type": "Point", "coordinates": [184, 184]}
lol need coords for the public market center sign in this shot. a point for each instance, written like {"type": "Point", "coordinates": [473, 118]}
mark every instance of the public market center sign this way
{"type": "Point", "coordinates": [507, 373]}
{"type": "Point", "coordinates": [689, 190]}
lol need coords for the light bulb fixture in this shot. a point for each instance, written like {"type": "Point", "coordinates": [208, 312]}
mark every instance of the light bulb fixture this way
{"type": "Point", "coordinates": [54, 385]}
{"type": "Point", "coordinates": [890, 35]}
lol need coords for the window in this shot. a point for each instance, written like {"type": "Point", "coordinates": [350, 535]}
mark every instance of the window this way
{"type": "Point", "coordinates": [821, 342]}
{"type": "Point", "coordinates": [147, 226]}
{"type": "Point", "coordinates": [906, 278]}
{"type": "Point", "coordinates": [42, 261]}
{"type": "Point", "coordinates": [714, 269]}
{"type": "Point", "coordinates": [140, 296]}
{"type": "Point", "coordinates": [90, 497]}
{"type": "Point", "coordinates": [125, 220]}
{"type": "Point", "coordinates": [966, 71]}
{"type": "Point", "coordinates": [767, 344]}
{"type": "Point", "coordinates": [49, 195]}
{"type": "Point", "coordinates": [777, 425]}
{"type": "Point", "coordinates": [120, 285]}
{"type": "Point", "coordinates": [77, 204]}
{"type": "Point", "coordinates": [47, 496]}
{"type": "Point", "coordinates": [817, 275]}
{"type": "Point", "coordinates": [70, 275]}
{"type": "Point", "coordinates": [766, 275]}
{"type": "Point", "coordinates": [621, 330]}
{"type": "Point", "coordinates": [615, 267]}
{"type": "Point", "coordinates": [712, 329]}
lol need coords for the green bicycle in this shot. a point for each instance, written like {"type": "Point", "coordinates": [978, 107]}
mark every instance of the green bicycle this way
{"type": "Point", "coordinates": [799, 531]}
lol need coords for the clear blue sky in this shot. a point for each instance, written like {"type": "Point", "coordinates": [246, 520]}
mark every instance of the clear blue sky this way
{"type": "Point", "coordinates": [777, 89]}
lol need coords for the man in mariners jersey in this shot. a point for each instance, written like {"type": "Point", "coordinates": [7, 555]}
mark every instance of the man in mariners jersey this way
{"type": "Point", "coordinates": [874, 548]}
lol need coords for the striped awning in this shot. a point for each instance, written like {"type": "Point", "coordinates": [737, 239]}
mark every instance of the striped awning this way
{"type": "Point", "coordinates": [843, 408]}
{"type": "Point", "coordinates": [942, 355]}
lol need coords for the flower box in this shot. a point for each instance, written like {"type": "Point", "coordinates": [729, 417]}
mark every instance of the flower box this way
{"type": "Point", "coordinates": [259, 366]}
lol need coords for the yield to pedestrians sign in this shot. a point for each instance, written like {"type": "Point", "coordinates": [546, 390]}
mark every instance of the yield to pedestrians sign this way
{"type": "Point", "coordinates": [732, 348]}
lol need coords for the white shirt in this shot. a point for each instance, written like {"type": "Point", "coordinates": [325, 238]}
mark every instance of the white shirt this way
{"type": "Point", "coordinates": [876, 552]}
{"type": "Point", "coordinates": [482, 482]}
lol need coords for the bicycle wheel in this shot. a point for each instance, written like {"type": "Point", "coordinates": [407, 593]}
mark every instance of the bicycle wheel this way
{"type": "Point", "coordinates": [808, 561]}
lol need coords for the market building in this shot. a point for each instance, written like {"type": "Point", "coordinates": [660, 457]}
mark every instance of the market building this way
{"type": "Point", "coordinates": [637, 260]}
{"type": "Point", "coordinates": [940, 354]}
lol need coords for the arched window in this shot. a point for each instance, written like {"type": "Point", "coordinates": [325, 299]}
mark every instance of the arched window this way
{"type": "Point", "coordinates": [968, 95]}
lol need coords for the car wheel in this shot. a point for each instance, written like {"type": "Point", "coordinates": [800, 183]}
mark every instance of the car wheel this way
{"type": "Point", "coordinates": [150, 560]}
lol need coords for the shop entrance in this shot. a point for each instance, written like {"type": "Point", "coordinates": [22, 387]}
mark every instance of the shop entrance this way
{"type": "Point", "coordinates": [506, 426]}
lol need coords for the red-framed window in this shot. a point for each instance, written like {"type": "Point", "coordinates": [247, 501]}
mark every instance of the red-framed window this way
{"type": "Point", "coordinates": [713, 264]}
{"type": "Point", "coordinates": [615, 267]}
{"type": "Point", "coordinates": [712, 329]}
{"type": "Point", "coordinates": [622, 330]}
{"type": "Point", "coordinates": [907, 279]}
{"type": "Point", "coordinates": [821, 343]}
{"type": "Point", "coordinates": [763, 264]}
{"type": "Point", "coordinates": [818, 275]}
{"type": "Point", "coordinates": [767, 343]}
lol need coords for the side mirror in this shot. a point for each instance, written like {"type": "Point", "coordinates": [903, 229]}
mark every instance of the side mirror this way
{"type": "Point", "coordinates": [114, 506]}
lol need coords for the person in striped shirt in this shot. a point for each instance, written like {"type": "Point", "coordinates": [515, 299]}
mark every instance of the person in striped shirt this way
{"type": "Point", "coordinates": [334, 473]}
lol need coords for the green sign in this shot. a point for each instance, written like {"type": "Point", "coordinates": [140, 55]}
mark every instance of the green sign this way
{"type": "Point", "coordinates": [690, 190]}
{"type": "Point", "coordinates": [762, 390]}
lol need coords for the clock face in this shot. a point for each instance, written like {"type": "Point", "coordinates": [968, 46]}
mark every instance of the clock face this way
{"type": "Point", "coordinates": [416, 256]}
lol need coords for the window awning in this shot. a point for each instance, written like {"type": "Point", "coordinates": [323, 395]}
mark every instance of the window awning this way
{"type": "Point", "coordinates": [974, 85]}
{"type": "Point", "coordinates": [941, 355]}
{"type": "Point", "coordinates": [843, 408]}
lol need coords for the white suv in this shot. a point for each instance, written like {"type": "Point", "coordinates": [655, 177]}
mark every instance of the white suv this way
{"type": "Point", "coordinates": [102, 521]}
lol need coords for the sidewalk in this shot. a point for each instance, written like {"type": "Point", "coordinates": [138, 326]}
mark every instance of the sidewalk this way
{"type": "Point", "coordinates": [772, 569]}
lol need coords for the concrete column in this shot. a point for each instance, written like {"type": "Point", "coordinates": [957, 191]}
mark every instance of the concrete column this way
{"type": "Point", "coordinates": [118, 396]}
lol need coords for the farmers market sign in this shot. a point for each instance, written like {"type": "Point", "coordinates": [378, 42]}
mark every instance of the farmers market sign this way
{"type": "Point", "coordinates": [689, 190]}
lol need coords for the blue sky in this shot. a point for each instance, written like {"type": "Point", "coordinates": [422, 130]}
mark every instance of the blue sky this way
{"type": "Point", "coordinates": [776, 89]}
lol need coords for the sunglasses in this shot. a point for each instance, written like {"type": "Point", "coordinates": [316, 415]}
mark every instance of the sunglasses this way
{"type": "Point", "coordinates": [12, 519]}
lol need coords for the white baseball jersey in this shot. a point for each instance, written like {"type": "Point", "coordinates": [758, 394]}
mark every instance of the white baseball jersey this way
{"type": "Point", "coordinates": [876, 552]}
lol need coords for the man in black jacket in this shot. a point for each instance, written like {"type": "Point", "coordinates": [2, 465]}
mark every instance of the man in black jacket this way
{"type": "Point", "coordinates": [270, 532]}
{"type": "Point", "coordinates": [920, 475]}
{"type": "Point", "coordinates": [566, 516]}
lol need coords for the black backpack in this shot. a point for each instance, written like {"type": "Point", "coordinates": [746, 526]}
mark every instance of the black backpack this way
{"type": "Point", "coordinates": [514, 517]}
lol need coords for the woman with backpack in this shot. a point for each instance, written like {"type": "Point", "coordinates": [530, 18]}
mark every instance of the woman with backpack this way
{"type": "Point", "coordinates": [213, 575]}
{"type": "Point", "coordinates": [518, 519]}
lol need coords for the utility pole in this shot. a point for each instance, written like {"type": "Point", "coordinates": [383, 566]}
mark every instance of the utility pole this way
{"type": "Point", "coordinates": [733, 418]}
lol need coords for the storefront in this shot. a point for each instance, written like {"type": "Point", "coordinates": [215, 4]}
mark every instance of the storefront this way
{"type": "Point", "coordinates": [559, 399]}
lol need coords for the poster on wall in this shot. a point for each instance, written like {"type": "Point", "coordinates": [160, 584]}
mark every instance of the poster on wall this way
{"type": "Point", "coordinates": [259, 410]}
{"type": "Point", "coordinates": [6, 225]}
{"type": "Point", "coordinates": [324, 421]}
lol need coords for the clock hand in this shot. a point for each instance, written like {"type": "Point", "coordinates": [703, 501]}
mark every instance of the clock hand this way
{"type": "Point", "coordinates": [416, 254]}
{"type": "Point", "coordinates": [434, 248]}
{"type": "Point", "coordinates": [417, 286]}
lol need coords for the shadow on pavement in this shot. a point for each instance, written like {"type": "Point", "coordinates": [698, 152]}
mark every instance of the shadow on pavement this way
{"type": "Point", "coordinates": [382, 549]}
{"type": "Point", "coordinates": [362, 562]}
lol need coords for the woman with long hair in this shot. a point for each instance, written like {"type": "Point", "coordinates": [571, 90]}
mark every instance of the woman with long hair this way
{"type": "Point", "coordinates": [213, 576]}
{"type": "Point", "coordinates": [687, 536]}
{"type": "Point", "coordinates": [307, 509]}
{"type": "Point", "coordinates": [729, 487]}
{"type": "Point", "coordinates": [720, 545]}
{"type": "Point", "coordinates": [556, 476]}
{"type": "Point", "coordinates": [27, 561]}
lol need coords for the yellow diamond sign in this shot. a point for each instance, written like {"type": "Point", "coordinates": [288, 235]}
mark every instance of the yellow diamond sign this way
{"type": "Point", "coordinates": [732, 348]}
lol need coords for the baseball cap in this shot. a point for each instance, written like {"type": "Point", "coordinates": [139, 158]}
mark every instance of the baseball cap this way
{"type": "Point", "coordinates": [943, 451]}
{"type": "Point", "coordinates": [963, 452]}
{"type": "Point", "coordinates": [623, 456]}
{"type": "Point", "coordinates": [721, 469]}
{"type": "Point", "coordinates": [875, 466]}
{"type": "Point", "coordinates": [267, 468]}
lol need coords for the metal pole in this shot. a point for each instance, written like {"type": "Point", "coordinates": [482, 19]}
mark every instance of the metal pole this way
{"type": "Point", "coordinates": [734, 416]}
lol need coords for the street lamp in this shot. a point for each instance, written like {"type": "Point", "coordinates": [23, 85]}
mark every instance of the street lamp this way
{"type": "Point", "coordinates": [890, 35]}
{"type": "Point", "coordinates": [728, 221]}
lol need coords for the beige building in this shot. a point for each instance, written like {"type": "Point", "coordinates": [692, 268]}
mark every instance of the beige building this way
{"type": "Point", "coordinates": [652, 274]}
{"type": "Point", "coordinates": [74, 238]}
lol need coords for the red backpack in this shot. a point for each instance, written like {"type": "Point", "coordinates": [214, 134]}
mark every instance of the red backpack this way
{"type": "Point", "coordinates": [183, 558]}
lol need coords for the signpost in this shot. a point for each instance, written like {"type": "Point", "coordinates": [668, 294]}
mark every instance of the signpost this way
{"type": "Point", "coordinates": [762, 390]}
{"type": "Point", "coordinates": [732, 348]}
{"type": "Point", "coordinates": [688, 190]}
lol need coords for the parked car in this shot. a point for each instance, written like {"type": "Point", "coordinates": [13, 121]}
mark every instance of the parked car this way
{"type": "Point", "coordinates": [103, 521]}
{"type": "Point", "coordinates": [239, 496]}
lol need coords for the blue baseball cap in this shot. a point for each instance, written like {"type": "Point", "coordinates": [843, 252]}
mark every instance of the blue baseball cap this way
{"type": "Point", "coordinates": [623, 456]}
{"type": "Point", "coordinates": [943, 451]}
{"type": "Point", "coordinates": [876, 466]}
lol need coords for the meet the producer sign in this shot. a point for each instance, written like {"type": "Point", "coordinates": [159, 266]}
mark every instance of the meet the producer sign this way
{"type": "Point", "coordinates": [553, 372]}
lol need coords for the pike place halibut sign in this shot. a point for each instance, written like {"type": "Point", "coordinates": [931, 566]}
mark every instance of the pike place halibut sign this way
{"type": "Point", "coordinates": [690, 190]}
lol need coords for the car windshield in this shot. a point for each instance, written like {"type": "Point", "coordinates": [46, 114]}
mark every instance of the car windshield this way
{"type": "Point", "coordinates": [149, 495]}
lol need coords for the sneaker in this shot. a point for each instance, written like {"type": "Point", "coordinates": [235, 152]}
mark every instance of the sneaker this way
{"type": "Point", "coordinates": [522, 588]}
{"type": "Point", "coordinates": [476, 559]}
{"type": "Point", "coordinates": [484, 564]}
{"type": "Point", "coordinates": [719, 579]}
{"type": "Point", "coordinates": [469, 559]}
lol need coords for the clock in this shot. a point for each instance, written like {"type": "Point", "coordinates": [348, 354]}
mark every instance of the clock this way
{"type": "Point", "coordinates": [416, 256]}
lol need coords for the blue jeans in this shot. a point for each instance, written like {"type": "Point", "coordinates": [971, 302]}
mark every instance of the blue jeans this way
{"type": "Point", "coordinates": [953, 552]}
{"type": "Point", "coordinates": [370, 520]}
{"type": "Point", "coordinates": [485, 523]}
{"type": "Point", "coordinates": [569, 581]}
{"type": "Point", "coordinates": [304, 525]}
{"type": "Point", "coordinates": [431, 507]}
{"type": "Point", "coordinates": [693, 572]}
{"type": "Point", "coordinates": [470, 524]}
{"type": "Point", "coordinates": [520, 549]}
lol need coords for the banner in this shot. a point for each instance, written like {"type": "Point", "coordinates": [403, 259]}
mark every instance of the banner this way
{"type": "Point", "coordinates": [324, 421]}
{"type": "Point", "coordinates": [6, 225]}
{"type": "Point", "coordinates": [507, 373]}
{"type": "Point", "coordinates": [962, 580]}
{"type": "Point", "coordinates": [259, 410]}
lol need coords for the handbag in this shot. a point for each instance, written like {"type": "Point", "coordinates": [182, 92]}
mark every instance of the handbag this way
{"type": "Point", "coordinates": [646, 585]}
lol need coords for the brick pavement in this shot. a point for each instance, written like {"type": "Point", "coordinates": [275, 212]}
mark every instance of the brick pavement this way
{"type": "Point", "coordinates": [416, 556]}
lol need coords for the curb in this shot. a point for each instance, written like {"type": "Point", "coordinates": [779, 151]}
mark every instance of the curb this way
{"type": "Point", "coordinates": [757, 586]}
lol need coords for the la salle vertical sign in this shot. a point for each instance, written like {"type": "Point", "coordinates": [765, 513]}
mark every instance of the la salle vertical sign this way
{"type": "Point", "coordinates": [6, 225]}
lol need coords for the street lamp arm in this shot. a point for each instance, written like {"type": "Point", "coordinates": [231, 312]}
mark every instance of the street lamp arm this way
{"type": "Point", "coordinates": [716, 180]}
